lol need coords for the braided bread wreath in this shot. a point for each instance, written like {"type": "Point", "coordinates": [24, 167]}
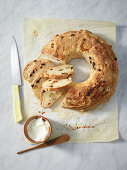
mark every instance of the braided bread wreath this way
{"type": "Point", "coordinates": [102, 81]}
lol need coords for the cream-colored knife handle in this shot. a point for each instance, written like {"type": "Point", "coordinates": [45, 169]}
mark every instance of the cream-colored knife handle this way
{"type": "Point", "coordinates": [17, 104]}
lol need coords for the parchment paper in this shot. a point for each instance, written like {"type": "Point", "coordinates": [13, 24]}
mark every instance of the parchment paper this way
{"type": "Point", "coordinates": [99, 125]}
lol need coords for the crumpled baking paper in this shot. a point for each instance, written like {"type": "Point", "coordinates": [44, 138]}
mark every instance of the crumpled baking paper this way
{"type": "Point", "coordinates": [99, 125]}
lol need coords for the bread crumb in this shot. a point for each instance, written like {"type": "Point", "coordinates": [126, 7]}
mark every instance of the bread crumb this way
{"type": "Point", "coordinates": [35, 33]}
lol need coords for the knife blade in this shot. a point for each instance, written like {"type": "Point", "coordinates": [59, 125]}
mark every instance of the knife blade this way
{"type": "Point", "coordinates": [16, 81]}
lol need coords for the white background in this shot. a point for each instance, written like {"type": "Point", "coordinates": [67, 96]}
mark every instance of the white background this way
{"type": "Point", "coordinates": [88, 156]}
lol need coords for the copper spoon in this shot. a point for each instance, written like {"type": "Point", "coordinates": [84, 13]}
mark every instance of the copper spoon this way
{"type": "Point", "coordinates": [58, 140]}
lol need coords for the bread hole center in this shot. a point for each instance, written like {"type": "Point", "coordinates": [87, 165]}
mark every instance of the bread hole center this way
{"type": "Point", "coordinates": [81, 70]}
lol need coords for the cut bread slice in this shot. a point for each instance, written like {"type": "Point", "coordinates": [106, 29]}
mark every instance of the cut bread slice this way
{"type": "Point", "coordinates": [59, 72]}
{"type": "Point", "coordinates": [28, 67]}
{"type": "Point", "coordinates": [56, 84]}
{"type": "Point", "coordinates": [39, 69]}
{"type": "Point", "coordinates": [51, 58]}
{"type": "Point", "coordinates": [47, 98]}
{"type": "Point", "coordinates": [37, 85]}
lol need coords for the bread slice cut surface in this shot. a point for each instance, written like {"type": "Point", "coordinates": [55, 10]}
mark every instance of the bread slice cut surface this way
{"type": "Point", "coordinates": [37, 85]}
{"type": "Point", "coordinates": [28, 68]}
{"type": "Point", "coordinates": [56, 84]}
{"type": "Point", "coordinates": [47, 98]}
{"type": "Point", "coordinates": [51, 58]}
{"type": "Point", "coordinates": [60, 72]}
{"type": "Point", "coordinates": [39, 69]}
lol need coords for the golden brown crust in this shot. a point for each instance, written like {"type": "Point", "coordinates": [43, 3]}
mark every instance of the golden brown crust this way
{"type": "Point", "coordinates": [101, 84]}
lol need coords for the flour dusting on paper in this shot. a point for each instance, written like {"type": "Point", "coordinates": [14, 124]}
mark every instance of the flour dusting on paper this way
{"type": "Point", "coordinates": [99, 125]}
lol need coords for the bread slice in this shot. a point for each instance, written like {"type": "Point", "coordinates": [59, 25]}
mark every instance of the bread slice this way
{"type": "Point", "coordinates": [28, 67]}
{"type": "Point", "coordinates": [51, 58]}
{"type": "Point", "coordinates": [37, 85]}
{"type": "Point", "coordinates": [56, 84]}
{"type": "Point", "coordinates": [47, 98]}
{"type": "Point", "coordinates": [39, 69]}
{"type": "Point", "coordinates": [59, 72]}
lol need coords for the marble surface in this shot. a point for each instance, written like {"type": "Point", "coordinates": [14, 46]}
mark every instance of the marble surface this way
{"type": "Point", "coordinates": [88, 156]}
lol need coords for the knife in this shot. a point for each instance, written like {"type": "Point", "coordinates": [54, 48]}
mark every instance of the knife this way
{"type": "Point", "coordinates": [16, 81]}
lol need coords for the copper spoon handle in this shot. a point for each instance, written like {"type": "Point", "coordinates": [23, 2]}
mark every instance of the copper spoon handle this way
{"type": "Point", "coordinates": [58, 140]}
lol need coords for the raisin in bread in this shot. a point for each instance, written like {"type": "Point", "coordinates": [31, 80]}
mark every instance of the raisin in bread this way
{"type": "Point", "coordinates": [37, 85]}
{"type": "Point", "coordinates": [56, 84]}
{"type": "Point", "coordinates": [47, 98]}
{"type": "Point", "coordinates": [39, 69]}
{"type": "Point", "coordinates": [59, 72]}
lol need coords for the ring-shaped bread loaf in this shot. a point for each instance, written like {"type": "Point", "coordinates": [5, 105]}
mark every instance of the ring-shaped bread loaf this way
{"type": "Point", "coordinates": [102, 81]}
